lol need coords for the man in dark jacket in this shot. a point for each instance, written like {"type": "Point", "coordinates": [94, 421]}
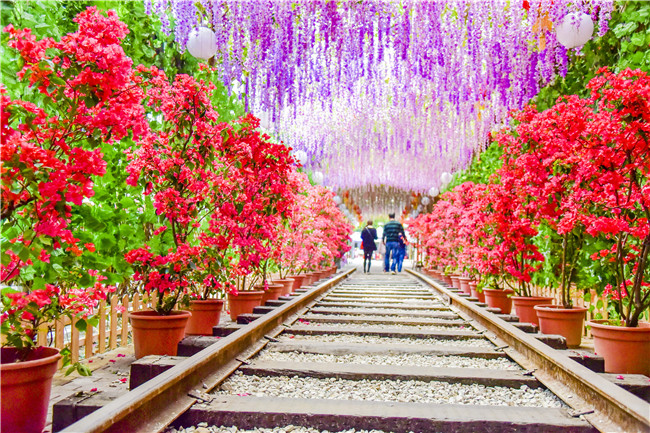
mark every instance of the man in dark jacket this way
{"type": "Point", "coordinates": [390, 238]}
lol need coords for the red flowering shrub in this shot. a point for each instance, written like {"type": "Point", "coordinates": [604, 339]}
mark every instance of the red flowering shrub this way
{"type": "Point", "coordinates": [85, 96]}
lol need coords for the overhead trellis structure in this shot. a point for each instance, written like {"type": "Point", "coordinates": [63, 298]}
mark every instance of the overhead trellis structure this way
{"type": "Point", "coordinates": [384, 92]}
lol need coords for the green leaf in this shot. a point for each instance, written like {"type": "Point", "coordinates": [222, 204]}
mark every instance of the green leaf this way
{"type": "Point", "coordinates": [624, 29]}
{"type": "Point", "coordinates": [638, 39]}
{"type": "Point", "coordinates": [81, 325]}
{"type": "Point", "coordinates": [39, 283]}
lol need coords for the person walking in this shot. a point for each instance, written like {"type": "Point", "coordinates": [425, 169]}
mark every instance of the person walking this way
{"type": "Point", "coordinates": [390, 238]}
{"type": "Point", "coordinates": [401, 251]}
{"type": "Point", "coordinates": [368, 236]}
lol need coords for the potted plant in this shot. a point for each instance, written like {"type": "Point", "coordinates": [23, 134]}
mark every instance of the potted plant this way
{"type": "Point", "coordinates": [540, 167]}
{"type": "Point", "coordinates": [179, 164]}
{"type": "Point", "coordinates": [48, 160]}
{"type": "Point", "coordinates": [614, 177]}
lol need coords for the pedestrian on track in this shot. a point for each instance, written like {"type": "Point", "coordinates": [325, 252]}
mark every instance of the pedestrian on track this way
{"type": "Point", "coordinates": [401, 252]}
{"type": "Point", "coordinates": [368, 236]}
{"type": "Point", "coordinates": [390, 238]}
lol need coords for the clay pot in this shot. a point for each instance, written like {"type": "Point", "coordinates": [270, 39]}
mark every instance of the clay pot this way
{"type": "Point", "coordinates": [475, 293]}
{"type": "Point", "coordinates": [524, 307]}
{"type": "Point", "coordinates": [154, 334]}
{"type": "Point", "coordinates": [25, 388]}
{"type": "Point", "coordinates": [244, 302]}
{"type": "Point", "coordinates": [625, 350]}
{"type": "Point", "coordinates": [499, 299]}
{"type": "Point", "coordinates": [298, 281]}
{"type": "Point", "coordinates": [446, 279]}
{"type": "Point", "coordinates": [206, 314]}
{"type": "Point", "coordinates": [288, 286]}
{"type": "Point", "coordinates": [455, 281]}
{"type": "Point", "coordinates": [567, 322]}
{"type": "Point", "coordinates": [309, 279]}
{"type": "Point", "coordinates": [464, 285]}
{"type": "Point", "coordinates": [272, 292]}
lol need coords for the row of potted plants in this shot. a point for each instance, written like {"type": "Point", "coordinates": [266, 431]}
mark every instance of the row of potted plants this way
{"type": "Point", "coordinates": [117, 179]}
{"type": "Point", "coordinates": [568, 208]}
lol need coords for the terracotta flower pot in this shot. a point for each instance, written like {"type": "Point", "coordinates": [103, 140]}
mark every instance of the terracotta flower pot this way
{"type": "Point", "coordinates": [272, 292]}
{"type": "Point", "coordinates": [244, 302]}
{"type": "Point", "coordinates": [499, 299]}
{"type": "Point", "coordinates": [475, 293]}
{"type": "Point", "coordinates": [446, 279]}
{"type": "Point", "coordinates": [309, 279]}
{"type": "Point", "coordinates": [455, 281]}
{"type": "Point", "coordinates": [288, 285]}
{"type": "Point", "coordinates": [154, 334]}
{"type": "Point", "coordinates": [206, 314]}
{"type": "Point", "coordinates": [524, 307]}
{"type": "Point", "coordinates": [464, 285]}
{"type": "Point", "coordinates": [625, 350]}
{"type": "Point", "coordinates": [25, 387]}
{"type": "Point", "coordinates": [568, 322]}
{"type": "Point", "coordinates": [298, 281]}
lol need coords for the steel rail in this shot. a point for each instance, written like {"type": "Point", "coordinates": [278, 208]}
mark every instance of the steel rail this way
{"type": "Point", "coordinates": [156, 403]}
{"type": "Point", "coordinates": [614, 409]}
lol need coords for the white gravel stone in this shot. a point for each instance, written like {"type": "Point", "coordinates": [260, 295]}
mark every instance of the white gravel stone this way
{"type": "Point", "coordinates": [403, 359]}
{"type": "Point", "coordinates": [376, 310]}
{"type": "Point", "coordinates": [369, 326]}
{"type": "Point", "coordinates": [357, 316]}
{"type": "Point", "coordinates": [285, 429]}
{"type": "Point", "coordinates": [371, 299]}
{"type": "Point", "coordinates": [387, 390]}
{"type": "Point", "coordinates": [375, 339]}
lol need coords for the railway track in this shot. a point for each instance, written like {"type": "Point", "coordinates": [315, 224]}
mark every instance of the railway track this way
{"type": "Point", "coordinates": [383, 352]}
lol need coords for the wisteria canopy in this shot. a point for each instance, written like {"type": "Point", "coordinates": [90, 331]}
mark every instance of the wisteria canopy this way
{"type": "Point", "coordinates": [383, 92]}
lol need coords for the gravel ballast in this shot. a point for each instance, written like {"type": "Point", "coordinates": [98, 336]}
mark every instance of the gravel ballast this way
{"type": "Point", "coordinates": [379, 317]}
{"type": "Point", "coordinates": [408, 391]}
{"type": "Point", "coordinates": [370, 326]}
{"type": "Point", "coordinates": [204, 428]}
{"type": "Point", "coordinates": [375, 339]}
{"type": "Point", "coordinates": [404, 359]}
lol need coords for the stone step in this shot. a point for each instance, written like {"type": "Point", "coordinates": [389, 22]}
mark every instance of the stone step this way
{"type": "Point", "coordinates": [335, 415]}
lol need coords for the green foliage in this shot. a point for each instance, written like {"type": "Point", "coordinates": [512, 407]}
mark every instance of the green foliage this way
{"type": "Point", "coordinates": [625, 45]}
{"type": "Point", "coordinates": [481, 168]}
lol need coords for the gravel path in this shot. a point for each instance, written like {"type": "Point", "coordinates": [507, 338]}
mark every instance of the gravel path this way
{"type": "Point", "coordinates": [386, 390]}
{"type": "Point", "coordinates": [302, 323]}
{"type": "Point", "coordinates": [375, 339]}
{"type": "Point", "coordinates": [204, 428]}
{"type": "Point", "coordinates": [404, 359]}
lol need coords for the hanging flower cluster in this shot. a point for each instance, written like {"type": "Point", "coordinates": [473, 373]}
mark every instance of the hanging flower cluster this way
{"type": "Point", "coordinates": [580, 169]}
{"type": "Point", "coordinates": [384, 93]}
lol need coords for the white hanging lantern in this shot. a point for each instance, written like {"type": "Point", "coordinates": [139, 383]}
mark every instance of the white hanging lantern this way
{"type": "Point", "coordinates": [433, 192]}
{"type": "Point", "coordinates": [446, 178]}
{"type": "Point", "coordinates": [575, 30]}
{"type": "Point", "coordinates": [337, 199]}
{"type": "Point", "coordinates": [301, 156]}
{"type": "Point", "coordinates": [318, 178]}
{"type": "Point", "coordinates": [426, 200]}
{"type": "Point", "coordinates": [202, 43]}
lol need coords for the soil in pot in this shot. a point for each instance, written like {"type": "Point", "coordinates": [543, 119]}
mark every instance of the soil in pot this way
{"type": "Point", "coordinates": [244, 302]}
{"type": "Point", "coordinates": [524, 307]}
{"type": "Point", "coordinates": [567, 322]}
{"type": "Point", "coordinates": [499, 299]}
{"type": "Point", "coordinates": [206, 314]}
{"type": "Point", "coordinates": [155, 334]}
{"type": "Point", "coordinates": [25, 388]}
{"type": "Point", "coordinates": [625, 350]}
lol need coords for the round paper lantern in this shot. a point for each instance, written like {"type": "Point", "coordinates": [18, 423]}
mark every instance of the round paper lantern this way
{"type": "Point", "coordinates": [445, 178]}
{"type": "Point", "coordinates": [434, 191]}
{"type": "Point", "coordinates": [426, 200]}
{"type": "Point", "coordinates": [318, 177]}
{"type": "Point", "coordinates": [575, 30]}
{"type": "Point", "coordinates": [301, 156]}
{"type": "Point", "coordinates": [337, 199]}
{"type": "Point", "coordinates": [202, 43]}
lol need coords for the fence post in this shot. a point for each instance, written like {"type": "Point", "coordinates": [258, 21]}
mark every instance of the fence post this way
{"type": "Point", "coordinates": [101, 339]}
{"type": "Point", "coordinates": [125, 321]}
{"type": "Point", "coordinates": [113, 329]}
{"type": "Point", "coordinates": [74, 340]}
